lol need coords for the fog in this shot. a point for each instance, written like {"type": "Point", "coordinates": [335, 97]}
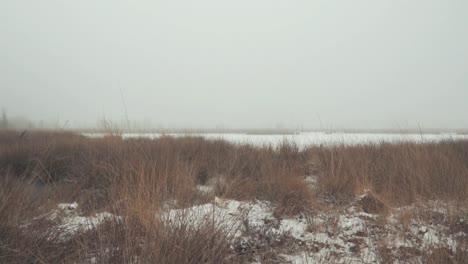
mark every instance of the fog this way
{"type": "Point", "coordinates": [236, 64]}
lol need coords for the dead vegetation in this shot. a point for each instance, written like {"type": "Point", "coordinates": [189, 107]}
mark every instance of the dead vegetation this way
{"type": "Point", "coordinates": [135, 178]}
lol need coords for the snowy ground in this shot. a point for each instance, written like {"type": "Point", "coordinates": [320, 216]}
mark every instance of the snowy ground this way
{"type": "Point", "coordinates": [346, 235]}
{"type": "Point", "coordinates": [308, 139]}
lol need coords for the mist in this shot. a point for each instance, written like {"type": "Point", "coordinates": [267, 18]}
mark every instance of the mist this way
{"type": "Point", "coordinates": [236, 64]}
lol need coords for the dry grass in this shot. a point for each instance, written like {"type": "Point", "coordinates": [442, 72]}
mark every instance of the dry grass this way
{"type": "Point", "coordinates": [399, 173]}
{"type": "Point", "coordinates": [111, 169]}
{"type": "Point", "coordinates": [134, 178]}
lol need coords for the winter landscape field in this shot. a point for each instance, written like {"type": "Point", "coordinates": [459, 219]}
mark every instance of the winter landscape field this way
{"type": "Point", "coordinates": [304, 139]}
{"type": "Point", "coordinates": [234, 132]}
{"type": "Point", "coordinates": [232, 198]}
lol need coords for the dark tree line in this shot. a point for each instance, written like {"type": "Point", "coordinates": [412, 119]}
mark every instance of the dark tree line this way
{"type": "Point", "coordinates": [4, 121]}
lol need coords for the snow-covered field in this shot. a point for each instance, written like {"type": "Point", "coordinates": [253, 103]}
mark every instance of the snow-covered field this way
{"type": "Point", "coordinates": [307, 139]}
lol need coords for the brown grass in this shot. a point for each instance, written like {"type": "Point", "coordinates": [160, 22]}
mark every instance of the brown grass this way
{"type": "Point", "coordinates": [133, 178]}
{"type": "Point", "coordinates": [399, 173]}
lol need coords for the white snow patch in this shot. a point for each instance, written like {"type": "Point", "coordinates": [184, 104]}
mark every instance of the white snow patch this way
{"type": "Point", "coordinates": [296, 228]}
{"type": "Point", "coordinates": [73, 224]}
{"type": "Point", "coordinates": [229, 215]}
{"type": "Point", "coordinates": [205, 189]}
{"type": "Point", "coordinates": [350, 225]}
{"type": "Point", "coordinates": [311, 180]}
{"type": "Point", "coordinates": [70, 222]}
{"type": "Point", "coordinates": [68, 206]}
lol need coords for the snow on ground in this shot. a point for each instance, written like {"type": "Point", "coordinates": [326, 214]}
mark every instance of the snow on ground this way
{"type": "Point", "coordinates": [229, 215]}
{"type": "Point", "coordinates": [345, 235]}
{"type": "Point", "coordinates": [306, 139]}
{"type": "Point", "coordinates": [205, 189]}
{"type": "Point", "coordinates": [70, 222]}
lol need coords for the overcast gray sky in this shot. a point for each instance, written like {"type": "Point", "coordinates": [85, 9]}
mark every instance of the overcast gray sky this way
{"type": "Point", "coordinates": [243, 63]}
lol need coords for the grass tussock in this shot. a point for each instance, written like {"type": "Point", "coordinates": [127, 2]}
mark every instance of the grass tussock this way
{"type": "Point", "coordinates": [399, 173]}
